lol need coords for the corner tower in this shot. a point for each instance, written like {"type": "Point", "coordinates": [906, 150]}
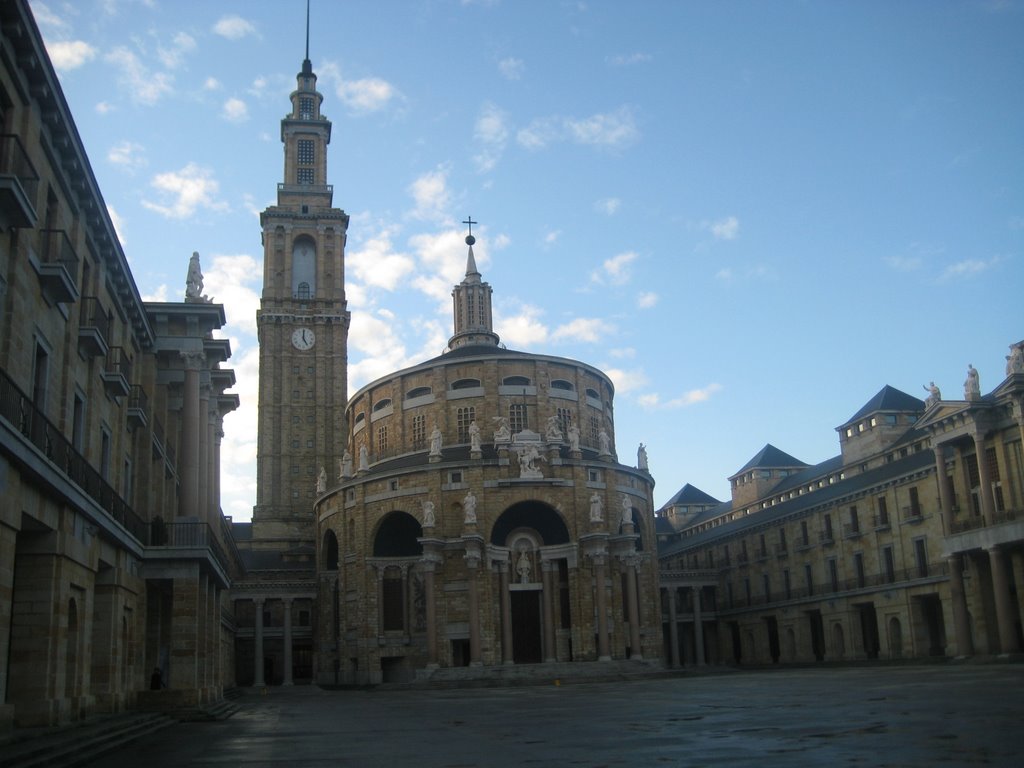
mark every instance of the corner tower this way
{"type": "Point", "coordinates": [471, 300]}
{"type": "Point", "coordinates": [303, 326]}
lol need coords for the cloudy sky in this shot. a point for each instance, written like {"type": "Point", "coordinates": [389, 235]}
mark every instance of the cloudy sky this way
{"type": "Point", "coordinates": [751, 215]}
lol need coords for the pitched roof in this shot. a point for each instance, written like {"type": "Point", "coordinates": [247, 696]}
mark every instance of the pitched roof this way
{"type": "Point", "coordinates": [889, 399]}
{"type": "Point", "coordinates": [771, 457]}
{"type": "Point", "coordinates": [688, 494]}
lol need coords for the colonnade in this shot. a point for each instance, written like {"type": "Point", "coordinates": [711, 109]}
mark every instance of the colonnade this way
{"type": "Point", "coordinates": [673, 624]}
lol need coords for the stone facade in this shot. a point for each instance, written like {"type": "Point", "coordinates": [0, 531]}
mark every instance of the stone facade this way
{"type": "Point", "coordinates": [114, 556]}
{"type": "Point", "coordinates": [910, 543]}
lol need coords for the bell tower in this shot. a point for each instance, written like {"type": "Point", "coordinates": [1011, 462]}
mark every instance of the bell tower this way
{"type": "Point", "coordinates": [303, 324]}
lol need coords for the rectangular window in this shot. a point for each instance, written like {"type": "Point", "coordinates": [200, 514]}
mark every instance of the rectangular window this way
{"type": "Point", "coordinates": [803, 533]}
{"type": "Point", "coordinates": [915, 503]}
{"type": "Point", "coordinates": [883, 513]}
{"type": "Point", "coordinates": [595, 430]}
{"type": "Point", "coordinates": [889, 563]}
{"type": "Point", "coordinates": [827, 533]}
{"type": "Point", "coordinates": [306, 154]}
{"type": "Point", "coordinates": [105, 453]}
{"type": "Point", "coordinates": [127, 481]}
{"type": "Point", "coordinates": [833, 574]}
{"type": "Point", "coordinates": [465, 417]}
{"type": "Point", "coordinates": [382, 440]}
{"type": "Point", "coordinates": [78, 424]}
{"type": "Point", "coordinates": [40, 374]}
{"type": "Point", "coordinates": [517, 417]}
{"type": "Point", "coordinates": [854, 520]}
{"type": "Point", "coordinates": [564, 421]}
{"type": "Point", "coordinates": [305, 107]}
{"type": "Point", "coordinates": [786, 584]}
{"type": "Point", "coordinates": [304, 176]}
{"type": "Point", "coordinates": [921, 558]}
{"type": "Point", "coordinates": [809, 578]}
{"type": "Point", "coordinates": [858, 567]}
{"type": "Point", "coordinates": [393, 614]}
{"type": "Point", "coordinates": [766, 583]}
{"type": "Point", "coordinates": [419, 432]}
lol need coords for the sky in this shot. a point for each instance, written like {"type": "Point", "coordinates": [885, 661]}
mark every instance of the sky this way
{"type": "Point", "coordinates": [751, 215]}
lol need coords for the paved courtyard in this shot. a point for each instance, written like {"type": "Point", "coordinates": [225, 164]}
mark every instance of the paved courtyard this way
{"type": "Point", "coordinates": [930, 715]}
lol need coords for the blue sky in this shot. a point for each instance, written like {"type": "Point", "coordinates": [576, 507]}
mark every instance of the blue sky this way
{"type": "Point", "coordinates": [752, 215]}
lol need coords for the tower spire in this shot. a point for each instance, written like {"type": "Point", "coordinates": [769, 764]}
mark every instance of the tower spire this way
{"type": "Point", "coordinates": [471, 301]}
{"type": "Point", "coordinates": [307, 65]}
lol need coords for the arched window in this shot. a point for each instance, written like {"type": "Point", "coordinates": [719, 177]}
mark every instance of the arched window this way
{"type": "Point", "coordinates": [417, 392]}
{"type": "Point", "coordinates": [593, 393]}
{"type": "Point", "coordinates": [329, 553]}
{"type": "Point", "coordinates": [562, 384]}
{"type": "Point", "coordinates": [360, 417]}
{"type": "Point", "coordinates": [303, 268]}
{"type": "Point", "coordinates": [466, 384]}
{"type": "Point", "coordinates": [515, 381]}
{"type": "Point", "coordinates": [380, 405]}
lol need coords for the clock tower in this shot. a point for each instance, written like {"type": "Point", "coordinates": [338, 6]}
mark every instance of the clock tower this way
{"type": "Point", "coordinates": [303, 330]}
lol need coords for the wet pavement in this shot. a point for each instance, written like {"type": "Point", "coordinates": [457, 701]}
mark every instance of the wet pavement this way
{"type": "Point", "coordinates": [929, 715]}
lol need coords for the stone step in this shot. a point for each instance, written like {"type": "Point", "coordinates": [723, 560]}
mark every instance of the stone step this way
{"type": "Point", "coordinates": [75, 745]}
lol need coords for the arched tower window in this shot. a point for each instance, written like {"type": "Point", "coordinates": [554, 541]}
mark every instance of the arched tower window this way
{"type": "Point", "coordinates": [303, 268]}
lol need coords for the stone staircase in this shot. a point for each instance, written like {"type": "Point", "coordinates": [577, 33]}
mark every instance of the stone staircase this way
{"type": "Point", "coordinates": [75, 745]}
{"type": "Point", "coordinates": [556, 673]}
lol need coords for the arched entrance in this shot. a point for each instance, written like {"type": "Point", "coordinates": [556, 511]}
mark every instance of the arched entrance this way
{"type": "Point", "coordinates": [535, 604]}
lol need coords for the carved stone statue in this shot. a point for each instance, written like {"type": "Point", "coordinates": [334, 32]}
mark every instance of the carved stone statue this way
{"type": "Point", "coordinates": [503, 433]}
{"type": "Point", "coordinates": [1015, 360]}
{"type": "Point", "coordinates": [553, 433]}
{"type": "Point", "coordinates": [321, 481]}
{"type": "Point", "coordinates": [574, 437]}
{"type": "Point", "coordinates": [596, 507]}
{"type": "Point", "coordinates": [474, 437]}
{"type": "Point", "coordinates": [346, 464]}
{"type": "Point", "coordinates": [435, 441]}
{"type": "Point", "coordinates": [641, 457]}
{"type": "Point", "coordinates": [604, 443]}
{"type": "Point", "coordinates": [469, 508]}
{"type": "Point", "coordinates": [364, 459]}
{"type": "Point", "coordinates": [523, 566]}
{"type": "Point", "coordinates": [194, 281]}
{"type": "Point", "coordinates": [934, 395]}
{"type": "Point", "coordinates": [529, 456]}
{"type": "Point", "coordinates": [428, 513]}
{"type": "Point", "coordinates": [972, 385]}
{"type": "Point", "coordinates": [627, 510]}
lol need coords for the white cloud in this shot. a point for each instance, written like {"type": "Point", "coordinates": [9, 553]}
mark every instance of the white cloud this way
{"type": "Point", "coordinates": [609, 206]}
{"type": "Point", "coordinates": [610, 129]}
{"type": "Point", "coordinates": [375, 337]}
{"type": "Point", "coordinates": [70, 54]}
{"type": "Point", "coordinates": [182, 45]}
{"type": "Point", "coordinates": [442, 262]}
{"type": "Point", "coordinates": [103, 108]}
{"type": "Point", "coordinates": [523, 329]}
{"type": "Point", "coordinates": [366, 95]}
{"type": "Point", "coordinates": [511, 68]}
{"type": "Point", "coordinates": [550, 238]}
{"type": "Point", "coordinates": [628, 59]}
{"type": "Point", "coordinates": [143, 86]}
{"type": "Point", "coordinates": [238, 446]}
{"type": "Point", "coordinates": [235, 110]}
{"type": "Point", "coordinates": [47, 18]}
{"type": "Point", "coordinates": [234, 27]}
{"type": "Point", "coordinates": [235, 281]}
{"type": "Point", "coordinates": [647, 299]}
{"type": "Point", "coordinates": [588, 329]}
{"type": "Point", "coordinates": [211, 84]}
{"type": "Point", "coordinates": [431, 195]}
{"type": "Point", "coordinates": [187, 190]}
{"type": "Point", "coordinates": [904, 263]}
{"type": "Point", "coordinates": [258, 87]}
{"type": "Point", "coordinates": [626, 381]}
{"type": "Point", "coordinates": [623, 353]}
{"type": "Point", "coordinates": [692, 397]}
{"type": "Point", "coordinates": [725, 229]}
{"type": "Point", "coordinates": [118, 223]}
{"type": "Point", "coordinates": [127, 155]}
{"type": "Point", "coordinates": [969, 268]}
{"type": "Point", "coordinates": [616, 269]}
{"type": "Point", "coordinates": [491, 135]}
{"type": "Point", "coordinates": [377, 264]}
{"type": "Point", "coordinates": [160, 295]}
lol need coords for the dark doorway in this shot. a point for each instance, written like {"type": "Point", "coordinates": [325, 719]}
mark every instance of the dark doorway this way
{"type": "Point", "coordinates": [773, 637]}
{"type": "Point", "coordinates": [526, 642]}
{"type": "Point", "coordinates": [817, 628]}
{"type": "Point", "coordinates": [737, 645]}
{"type": "Point", "coordinates": [929, 610]}
{"type": "Point", "coordinates": [869, 629]}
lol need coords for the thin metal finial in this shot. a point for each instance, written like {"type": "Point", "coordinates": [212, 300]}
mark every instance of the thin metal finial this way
{"type": "Point", "coordinates": [307, 30]}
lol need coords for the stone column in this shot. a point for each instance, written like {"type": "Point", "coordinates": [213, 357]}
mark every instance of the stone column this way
{"type": "Point", "coordinates": [673, 628]}
{"type": "Point", "coordinates": [698, 628]}
{"type": "Point", "coordinates": [431, 611]}
{"type": "Point", "coordinates": [258, 645]}
{"type": "Point", "coordinates": [472, 566]}
{"type": "Point", "coordinates": [550, 650]}
{"type": "Point", "coordinates": [380, 600]}
{"type": "Point", "coordinates": [213, 469]}
{"type": "Point", "coordinates": [188, 455]}
{"type": "Point", "coordinates": [203, 472]}
{"type": "Point", "coordinates": [408, 617]}
{"type": "Point", "coordinates": [603, 651]}
{"type": "Point", "coordinates": [507, 650]}
{"type": "Point", "coordinates": [1005, 609]}
{"type": "Point", "coordinates": [945, 502]}
{"type": "Point", "coordinates": [632, 610]}
{"type": "Point", "coordinates": [964, 645]}
{"type": "Point", "coordinates": [218, 437]}
{"type": "Point", "coordinates": [288, 641]}
{"type": "Point", "coordinates": [988, 507]}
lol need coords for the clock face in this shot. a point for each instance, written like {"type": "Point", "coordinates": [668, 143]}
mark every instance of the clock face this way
{"type": "Point", "coordinates": [303, 338]}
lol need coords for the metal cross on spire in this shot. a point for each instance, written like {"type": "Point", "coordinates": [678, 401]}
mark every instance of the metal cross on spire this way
{"type": "Point", "coordinates": [469, 238]}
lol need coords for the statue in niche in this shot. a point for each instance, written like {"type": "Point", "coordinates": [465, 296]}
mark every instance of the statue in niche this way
{"type": "Point", "coordinates": [435, 441]}
{"type": "Point", "coordinates": [474, 437]}
{"type": "Point", "coordinates": [641, 457]}
{"type": "Point", "coordinates": [428, 513]}
{"type": "Point", "coordinates": [529, 456]}
{"type": "Point", "coordinates": [934, 395]}
{"type": "Point", "coordinates": [194, 282]}
{"type": "Point", "coordinates": [523, 565]}
{"type": "Point", "coordinates": [627, 510]}
{"type": "Point", "coordinates": [503, 433]}
{"type": "Point", "coordinates": [574, 437]}
{"type": "Point", "coordinates": [469, 508]}
{"type": "Point", "coordinates": [596, 507]}
{"type": "Point", "coordinates": [346, 464]}
{"type": "Point", "coordinates": [1015, 360]}
{"type": "Point", "coordinates": [321, 481]}
{"type": "Point", "coordinates": [364, 459]}
{"type": "Point", "coordinates": [972, 386]}
{"type": "Point", "coordinates": [553, 433]}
